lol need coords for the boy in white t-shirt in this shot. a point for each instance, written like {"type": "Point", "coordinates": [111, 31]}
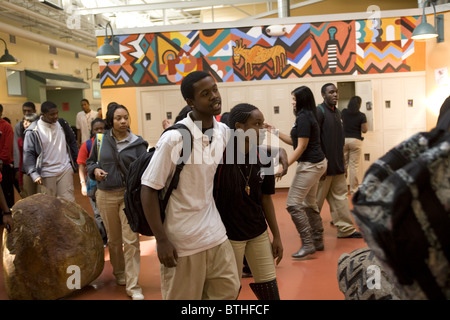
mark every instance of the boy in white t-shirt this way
{"type": "Point", "coordinates": [197, 260]}
{"type": "Point", "coordinates": [83, 122]}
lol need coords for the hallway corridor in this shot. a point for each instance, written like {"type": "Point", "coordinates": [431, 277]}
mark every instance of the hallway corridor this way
{"type": "Point", "coordinates": [311, 278]}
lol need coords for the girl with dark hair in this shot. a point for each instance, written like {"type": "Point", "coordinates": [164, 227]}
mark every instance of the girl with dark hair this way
{"type": "Point", "coordinates": [108, 164]}
{"type": "Point", "coordinates": [243, 190]}
{"type": "Point", "coordinates": [311, 165]}
{"type": "Point", "coordinates": [97, 127]}
{"type": "Point", "coordinates": [355, 122]}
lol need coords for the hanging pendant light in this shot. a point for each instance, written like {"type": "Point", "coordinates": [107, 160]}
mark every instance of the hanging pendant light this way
{"type": "Point", "coordinates": [107, 51]}
{"type": "Point", "coordinates": [7, 59]}
{"type": "Point", "coordinates": [425, 30]}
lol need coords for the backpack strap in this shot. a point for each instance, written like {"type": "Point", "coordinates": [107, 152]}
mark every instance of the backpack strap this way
{"type": "Point", "coordinates": [320, 106]}
{"type": "Point", "coordinates": [89, 146]}
{"type": "Point", "coordinates": [176, 176]}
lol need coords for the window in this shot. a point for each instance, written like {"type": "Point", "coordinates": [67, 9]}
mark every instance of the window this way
{"type": "Point", "coordinates": [96, 93]}
{"type": "Point", "coordinates": [16, 82]}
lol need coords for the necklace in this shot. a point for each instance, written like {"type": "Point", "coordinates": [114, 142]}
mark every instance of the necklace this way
{"type": "Point", "coordinates": [247, 187]}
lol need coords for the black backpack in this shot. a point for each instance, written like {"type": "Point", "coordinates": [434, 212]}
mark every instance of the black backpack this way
{"type": "Point", "coordinates": [133, 206]}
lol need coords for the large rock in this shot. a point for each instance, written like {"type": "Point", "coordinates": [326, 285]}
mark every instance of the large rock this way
{"type": "Point", "coordinates": [53, 250]}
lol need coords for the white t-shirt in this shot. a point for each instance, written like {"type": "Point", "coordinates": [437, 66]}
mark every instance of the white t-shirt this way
{"type": "Point", "coordinates": [55, 159]}
{"type": "Point", "coordinates": [83, 123]}
{"type": "Point", "coordinates": [192, 221]}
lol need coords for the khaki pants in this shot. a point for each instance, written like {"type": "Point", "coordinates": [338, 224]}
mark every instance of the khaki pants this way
{"type": "Point", "coordinates": [258, 252]}
{"type": "Point", "coordinates": [60, 186]}
{"type": "Point", "coordinates": [207, 275]}
{"type": "Point", "coordinates": [126, 261]}
{"type": "Point", "coordinates": [334, 189]}
{"type": "Point", "coordinates": [303, 190]}
{"type": "Point", "coordinates": [352, 156]}
{"type": "Point", "coordinates": [29, 187]}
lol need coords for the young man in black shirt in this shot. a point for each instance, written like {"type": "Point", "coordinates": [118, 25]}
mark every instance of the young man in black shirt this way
{"type": "Point", "coordinates": [334, 186]}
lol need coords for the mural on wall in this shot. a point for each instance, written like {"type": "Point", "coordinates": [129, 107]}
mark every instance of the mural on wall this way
{"type": "Point", "coordinates": [333, 48]}
{"type": "Point", "coordinates": [246, 54]}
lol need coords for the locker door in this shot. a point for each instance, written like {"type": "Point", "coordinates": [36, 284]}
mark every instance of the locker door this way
{"type": "Point", "coordinates": [152, 116]}
{"type": "Point", "coordinates": [172, 103]}
{"type": "Point", "coordinates": [363, 89]}
{"type": "Point", "coordinates": [280, 111]}
{"type": "Point", "coordinates": [257, 96]}
{"type": "Point", "coordinates": [371, 147]}
{"type": "Point", "coordinates": [415, 106]}
{"type": "Point", "coordinates": [392, 106]}
{"type": "Point", "coordinates": [235, 95]}
{"type": "Point", "coordinates": [224, 96]}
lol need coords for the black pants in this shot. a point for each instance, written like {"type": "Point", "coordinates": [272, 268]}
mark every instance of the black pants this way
{"type": "Point", "coordinates": [8, 184]}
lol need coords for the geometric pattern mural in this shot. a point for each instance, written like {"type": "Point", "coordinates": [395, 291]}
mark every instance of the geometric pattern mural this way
{"type": "Point", "coordinates": [249, 53]}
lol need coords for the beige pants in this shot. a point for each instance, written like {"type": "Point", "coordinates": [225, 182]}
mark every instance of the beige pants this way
{"type": "Point", "coordinates": [125, 261]}
{"type": "Point", "coordinates": [303, 189]}
{"type": "Point", "coordinates": [29, 187]}
{"type": "Point", "coordinates": [258, 252]}
{"type": "Point", "coordinates": [60, 186]}
{"type": "Point", "coordinates": [334, 189]}
{"type": "Point", "coordinates": [352, 156]}
{"type": "Point", "coordinates": [207, 275]}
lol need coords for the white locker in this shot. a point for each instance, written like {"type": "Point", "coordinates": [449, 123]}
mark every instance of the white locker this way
{"type": "Point", "coordinates": [172, 102]}
{"type": "Point", "coordinates": [152, 115]}
{"type": "Point", "coordinates": [370, 146]}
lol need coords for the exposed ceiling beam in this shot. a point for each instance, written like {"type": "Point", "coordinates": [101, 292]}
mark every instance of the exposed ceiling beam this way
{"type": "Point", "coordinates": [167, 5]}
{"type": "Point", "coordinates": [294, 6]}
{"type": "Point", "coordinates": [7, 28]}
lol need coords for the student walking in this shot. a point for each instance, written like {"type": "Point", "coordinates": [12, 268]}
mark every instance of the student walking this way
{"type": "Point", "coordinates": [83, 121]}
{"type": "Point", "coordinates": [50, 152]}
{"type": "Point", "coordinates": [311, 166]}
{"type": "Point", "coordinates": [242, 190]}
{"type": "Point", "coordinates": [28, 186]}
{"type": "Point", "coordinates": [197, 259]}
{"type": "Point", "coordinates": [355, 123]}
{"type": "Point", "coordinates": [334, 186]}
{"type": "Point", "coordinates": [6, 159]}
{"type": "Point", "coordinates": [118, 149]}
{"type": "Point", "coordinates": [89, 186]}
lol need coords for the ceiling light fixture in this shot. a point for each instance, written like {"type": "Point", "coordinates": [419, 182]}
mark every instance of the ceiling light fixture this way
{"type": "Point", "coordinates": [7, 59]}
{"type": "Point", "coordinates": [109, 51]}
{"type": "Point", "coordinates": [425, 30]}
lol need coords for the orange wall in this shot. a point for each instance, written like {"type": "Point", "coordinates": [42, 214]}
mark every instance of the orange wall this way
{"type": "Point", "coordinates": [123, 96]}
{"type": "Point", "coordinates": [437, 56]}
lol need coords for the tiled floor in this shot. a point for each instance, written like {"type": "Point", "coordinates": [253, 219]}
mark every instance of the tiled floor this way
{"type": "Point", "coordinates": [311, 278]}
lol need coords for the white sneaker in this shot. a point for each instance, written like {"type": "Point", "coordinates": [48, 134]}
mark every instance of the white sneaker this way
{"type": "Point", "coordinates": [137, 296]}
